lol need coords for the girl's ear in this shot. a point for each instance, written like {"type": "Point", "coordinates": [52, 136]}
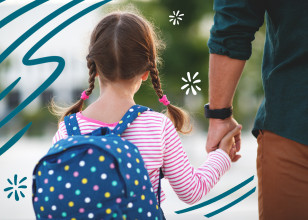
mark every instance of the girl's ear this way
{"type": "Point", "coordinates": [145, 75]}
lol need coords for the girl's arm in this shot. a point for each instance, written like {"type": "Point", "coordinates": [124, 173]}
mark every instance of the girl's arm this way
{"type": "Point", "coordinates": [190, 184]}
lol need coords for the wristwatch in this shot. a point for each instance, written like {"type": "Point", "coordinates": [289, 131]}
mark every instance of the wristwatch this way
{"type": "Point", "coordinates": [222, 113]}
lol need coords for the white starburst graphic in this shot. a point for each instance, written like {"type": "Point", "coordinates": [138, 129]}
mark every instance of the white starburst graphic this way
{"type": "Point", "coordinates": [190, 84]}
{"type": "Point", "coordinates": [176, 17]}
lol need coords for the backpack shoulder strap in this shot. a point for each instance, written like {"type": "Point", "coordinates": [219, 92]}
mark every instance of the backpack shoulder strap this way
{"type": "Point", "coordinates": [71, 125]}
{"type": "Point", "coordinates": [129, 117]}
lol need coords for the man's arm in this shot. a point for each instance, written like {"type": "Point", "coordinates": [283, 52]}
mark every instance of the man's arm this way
{"type": "Point", "coordinates": [235, 23]}
{"type": "Point", "coordinates": [224, 75]}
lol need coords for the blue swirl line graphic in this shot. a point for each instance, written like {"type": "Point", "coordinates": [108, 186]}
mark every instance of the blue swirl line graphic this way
{"type": "Point", "coordinates": [20, 12]}
{"type": "Point", "coordinates": [217, 198]}
{"type": "Point", "coordinates": [211, 214]}
{"type": "Point", "coordinates": [29, 62]}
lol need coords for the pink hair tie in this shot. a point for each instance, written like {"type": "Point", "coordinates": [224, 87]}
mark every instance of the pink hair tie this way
{"type": "Point", "coordinates": [84, 96]}
{"type": "Point", "coordinates": [164, 100]}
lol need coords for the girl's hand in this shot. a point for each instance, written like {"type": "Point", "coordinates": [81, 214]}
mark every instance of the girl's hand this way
{"type": "Point", "coordinates": [228, 145]}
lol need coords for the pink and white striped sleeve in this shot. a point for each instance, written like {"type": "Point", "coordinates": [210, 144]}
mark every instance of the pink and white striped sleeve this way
{"type": "Point", "coordinates": [190, 184]}
{"type": "Point", "coordinates": [60, 134]}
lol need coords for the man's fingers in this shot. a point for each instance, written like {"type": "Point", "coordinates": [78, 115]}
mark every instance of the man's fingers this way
{"type": "Point", "coordinates": [238, 142]}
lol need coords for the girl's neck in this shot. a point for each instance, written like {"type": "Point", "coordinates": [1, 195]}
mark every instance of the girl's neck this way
{"type": "Point", "coordinates": [115, 99]}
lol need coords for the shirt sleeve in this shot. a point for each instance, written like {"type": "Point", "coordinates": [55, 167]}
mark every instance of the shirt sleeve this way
{"type": "Point", "coordinates": [190, 184]}
{"type": "Point", "coordinates": [60, 134]}
{"type": "Point", "coordinates": [235, 24]}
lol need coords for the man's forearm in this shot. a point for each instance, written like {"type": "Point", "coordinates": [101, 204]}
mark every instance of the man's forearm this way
{"type": "Point", "coordinates": [224, 75]}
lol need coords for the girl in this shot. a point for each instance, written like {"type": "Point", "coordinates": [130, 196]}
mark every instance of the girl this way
{"type": "Point", "coordinates": [123, 53]}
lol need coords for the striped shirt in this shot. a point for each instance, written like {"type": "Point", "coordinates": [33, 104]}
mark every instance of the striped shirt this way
{"type": "Point", "coordinates": [160, 146]}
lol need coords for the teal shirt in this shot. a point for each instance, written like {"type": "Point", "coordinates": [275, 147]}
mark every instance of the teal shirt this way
{"type": "Point", "coordinates": [284, 109]}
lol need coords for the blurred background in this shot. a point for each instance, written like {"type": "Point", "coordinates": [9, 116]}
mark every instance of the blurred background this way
{"type": "Point", "coordinates": [186, 51]}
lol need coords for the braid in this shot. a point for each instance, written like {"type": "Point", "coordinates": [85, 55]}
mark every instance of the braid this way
{"type": "Point", "coordinates": [155, 80]}
{"type": "Point", "coordinates": [178, 116]}
{"type": "Point", "coordinates": [92, 74]}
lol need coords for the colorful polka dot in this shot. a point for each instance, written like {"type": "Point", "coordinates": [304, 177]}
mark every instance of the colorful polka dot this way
{"type": "Point", "coordinates": [42, 208]}
{"type": "Point", "coordinates": [95, 187]}
{"type": "Point", "coordinates": [107, 194]}
{"type": "Point", "coordinates": [99, 205]}
{"type": "Point", "coordinates": [118, 200]}
{"type": "Point", "coordinates": [129, 155]}
{"type": "Point", "coordinates": [130, 205]}
{"type": "Point", "coordinates": [50, 172]}
{"type": "Point", "coordinates": [151, 202]}
{"type": "Point", "coordinates": [93, 169]}
{"type": "Point", "coordinates": [59, 178]}
{"type": "Point", "coordinates": [40, 190]}
{"type": "Point", "coordinates": [81, 210]}
{"type": "Point", "coordinates": [71, 204]}
{"type": "Point", "coordinates": [149, 214]}
{"type": "Point", "coordinates": [111, 166]}
{"type": "Point", "coordinates": [119, 150]}
{"type": "Point", "coordinates": [49, 216]}
{"type": "Point", "coordinates": [35, 199]}
{"type": "Point", "coordinates": [129, 165]}
{"type": "Point", "coordinates": [61, 196]}
{"type": "Point", "coordinates": [76, 174]}
{"type": "Point", "coordinates": [90, 151]}
{"type": "Point", "coordinates": [46, 198]}
{"type": "Point", "coordinates": [53, 208]}
{"type": "Point", "coordinates": [114, 215]}
{"type": "Point", "coordinates": [120, 122]}
{"type": "Point", "coordinates": [114, 183]}
{"type": "Point", "coordinates": [51, 189]}
{"type": "Point", "coordinates": [142, 197]}
{"type": "Point", "coordinates": [46, 181]}
{"type": "Point", "coordinates": [136, 182]}
{"type": "Point", "coordinates": [90, 215]}
{"type": "Point", "coordinates": [127, 176]}
{"type": "Point", "coordinates": [39, 173]}
{"type": "Point", "coordinates": [82, 163]}
{"type": "Point", "coordinates": [64, 214]}
{"type": "Point", "coordinates": [140, 210]}
{"type": "Point", "coordinates": [84, 181]}
{"type": "Point", "coordinates": [108, 211]}
{"type": "Point", "coordinates": [101, 158]}
{"type": "Point", "coordinates": [138, 170]}
{"type": "Point", "coordinates": [131, 193]}
{"type": "Point", "coordinates": [87, 200]}
{"type": "Point", "coordinates": [104, 176]}
{"type": "Point", "coordinates": [68, 185]}
{"type": "Point", "coordinates": [77, 192]}
{"type": "Point", "coordinates": [59, 160]}
{"type": "Point", "coordinates": [67, 167]}
{"type": "Point", "coordinates": [137, 160]}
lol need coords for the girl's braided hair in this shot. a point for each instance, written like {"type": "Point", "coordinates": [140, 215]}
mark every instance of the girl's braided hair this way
{"type": "Point", "coordinates": [123, 45]}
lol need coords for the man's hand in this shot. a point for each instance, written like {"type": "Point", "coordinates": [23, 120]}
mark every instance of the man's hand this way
{"type": "Point", "coordinates": [217, 130]}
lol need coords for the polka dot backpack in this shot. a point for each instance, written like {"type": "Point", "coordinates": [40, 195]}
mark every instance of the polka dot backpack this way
{"type": "Point", "coordinates": [94, 176]}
